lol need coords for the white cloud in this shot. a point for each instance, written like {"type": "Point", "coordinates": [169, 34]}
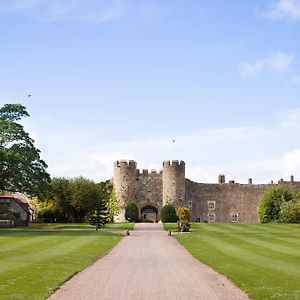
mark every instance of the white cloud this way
{"type": "Point", "coordinates": [284, 9]}
{"type": "Point", "coordinates": [279, 62]}
{"type": "Point", "coordinates": [289, 119]}
{"type": "Point", "coordinates": [262, 152]}
{"type": "Point", "coordinates": [66, 10]}
{"type": "Point", "coordinates": [97, 161]}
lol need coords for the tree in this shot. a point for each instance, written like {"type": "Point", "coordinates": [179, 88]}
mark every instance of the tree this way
{"type": "Point", "coordinates": [21, 168]}
{"type": "Point", "coordinates": [168, 213]}
{"type": "Point", "coordinates": [112, 205]}
{"type": "Point", "coordinates": [271, 202]}
{"type": "Point", "coordinates": [131, 212]}
{"type": "Point", "coordinates": [85, 196]}
{"type": "Point", "coordinates": [73, 200]}
{"type": "Point", "coordinates": [184, 219]}
{"type": "Point", "coordinates": [100, 216]}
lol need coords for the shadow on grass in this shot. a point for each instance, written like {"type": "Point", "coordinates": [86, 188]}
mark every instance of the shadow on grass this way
{"type": "Point", "coordinates": [66, 230]}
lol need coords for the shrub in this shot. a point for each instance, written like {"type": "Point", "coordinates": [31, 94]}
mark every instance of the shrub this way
{"type": "Point", "coordinates": [168, 214]}
{"type": "Point", "coordinates": [184, 219]}
{"type": "Point", "coordinates": [271, 202]}
{"type": "Point", "coordinates": [131, 212]}
{"type": "Point", "coordinates": [290, 212]}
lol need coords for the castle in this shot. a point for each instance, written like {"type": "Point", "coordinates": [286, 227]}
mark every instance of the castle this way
{"type": "Point", "coordinates": [150, 191]}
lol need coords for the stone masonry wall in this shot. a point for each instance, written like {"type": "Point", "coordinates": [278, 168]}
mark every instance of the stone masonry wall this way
{"type": "Point", "coordinates": [149, 190]}
{"type": "Point", "coordinates": [173, 178]}
{"type": "Point", "coordinates": [222, 202]}
{"type": "Point", "coordinates": [226, 199]}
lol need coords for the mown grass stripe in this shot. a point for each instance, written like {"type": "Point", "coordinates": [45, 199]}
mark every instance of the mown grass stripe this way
{"type": "Point", "coordinates": [261, 259]}
{"type": "Point", "coordinates": [37, 269]}
{"type": "Point", "coordinates": [254, 254]}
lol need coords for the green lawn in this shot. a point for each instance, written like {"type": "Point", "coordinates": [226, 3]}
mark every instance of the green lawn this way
{"type": "Point", "coordinates": [34, 261]}
{"type": "Point", "coordinates": [263, 260]}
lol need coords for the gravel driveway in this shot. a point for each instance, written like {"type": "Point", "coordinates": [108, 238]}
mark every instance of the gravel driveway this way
{"type": "Point", "coordinates": [148, 264]}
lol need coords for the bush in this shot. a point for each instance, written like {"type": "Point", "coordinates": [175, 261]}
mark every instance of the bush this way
{"type": "Point", "coordinates": [271, 202]}
{"type": "Point", "coordinates": [131, 212]}
{"type": "Point", "coordinates": [290, 212]}
{"type": "Point", "coordinates": [184, 219]}
{"type": "Point", "coordinates": [168, 214]}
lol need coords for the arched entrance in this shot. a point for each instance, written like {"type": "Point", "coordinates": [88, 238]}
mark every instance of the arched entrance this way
{"type": "Point", "coordinates": [149, 213]}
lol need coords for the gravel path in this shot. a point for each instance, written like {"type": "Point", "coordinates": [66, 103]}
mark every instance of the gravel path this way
{"type": "Point", "coordinates": [148, 264]}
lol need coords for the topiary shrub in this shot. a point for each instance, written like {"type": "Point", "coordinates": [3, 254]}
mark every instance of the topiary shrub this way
{"type": "Point", "coordinates": [271, 202]}
{"type": "Point", "coordinates": [184, 219]}
{"type": "Point", "coordinates": [168, 214]}
{"type": "Point", "coordinates": [131, 212]}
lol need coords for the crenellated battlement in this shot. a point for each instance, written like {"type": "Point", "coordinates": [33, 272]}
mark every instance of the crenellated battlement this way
{"type": "Point", "coordinates": [125, 163]}
{"type": "Point", "coordinates": [146, 172]}
{"type": "Point", "coordinates": [174, 163]}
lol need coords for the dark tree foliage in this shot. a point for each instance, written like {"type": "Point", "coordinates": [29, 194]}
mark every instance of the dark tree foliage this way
{"type": "Point", "coordinates": [131, 212]}
{"type": "Point", "coordinates": [168, 214]}
{"type": "Point", "coordinates": [100, 216]}
{"type": "Point", "coordinates": [21, 168]}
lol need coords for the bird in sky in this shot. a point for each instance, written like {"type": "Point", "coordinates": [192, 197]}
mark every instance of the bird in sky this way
{"type": "Point", "coordinates": [29, 96]}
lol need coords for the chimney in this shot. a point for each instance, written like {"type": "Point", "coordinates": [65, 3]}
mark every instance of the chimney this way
{"type": "Point", "coordinates": [221, 178]}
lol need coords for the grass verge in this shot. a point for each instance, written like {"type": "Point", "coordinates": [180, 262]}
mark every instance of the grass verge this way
{"type": "Point", "coordinates": [261, 259]}
{"type": "Point", "coordinates": [35, 261]}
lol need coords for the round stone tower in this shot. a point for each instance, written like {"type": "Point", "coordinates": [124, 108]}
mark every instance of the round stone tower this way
{"type": "Point", "coordinates": [125, 173]}
{"type": "Point", "coordinates": [173, 177]}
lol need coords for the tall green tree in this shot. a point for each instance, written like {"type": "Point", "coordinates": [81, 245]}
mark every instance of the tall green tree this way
{"type": "Point", "coordinates": [84, 197]}
{"type": "Point", "coordinates": [21, 168]}
{"type": "Point", "coordinates": [100, 215]}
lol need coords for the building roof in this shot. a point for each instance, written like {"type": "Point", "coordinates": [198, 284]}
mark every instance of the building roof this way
{"type": "Point", "coordinates": [20, 199]}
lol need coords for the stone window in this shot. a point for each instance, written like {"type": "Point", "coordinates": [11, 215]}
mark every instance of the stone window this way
{"type": "Point", "coordinates": [211, 205]}
{"type": "Point", "coordinates": [234, 217]}
{"type": "Point", "coordinates": [190, 204]}
{"type": "Point", "coordinates": [211, 217]}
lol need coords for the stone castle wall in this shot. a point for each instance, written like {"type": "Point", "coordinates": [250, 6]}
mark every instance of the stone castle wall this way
{"type": "Point", "coordinates": [220, 202]}
{"type": "Point", "coordinates": [144, 188]}
{"type": "Point", "coordinates": [149, 190]}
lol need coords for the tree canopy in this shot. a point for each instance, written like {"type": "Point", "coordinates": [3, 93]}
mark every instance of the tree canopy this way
{"type": "Point", "coordinates": [271, 202]}
{"type": "Point", "coordinates": [76, 200]}
{"type": "Point", "coordinates": [21, 168]}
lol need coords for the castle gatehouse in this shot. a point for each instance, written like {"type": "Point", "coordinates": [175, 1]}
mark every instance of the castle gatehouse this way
{"type": "Point", "coordinates": [212, 202]}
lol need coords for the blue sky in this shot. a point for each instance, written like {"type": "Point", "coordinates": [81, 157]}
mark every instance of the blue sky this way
{"type": "Point", "coordinates": [123, 78]}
